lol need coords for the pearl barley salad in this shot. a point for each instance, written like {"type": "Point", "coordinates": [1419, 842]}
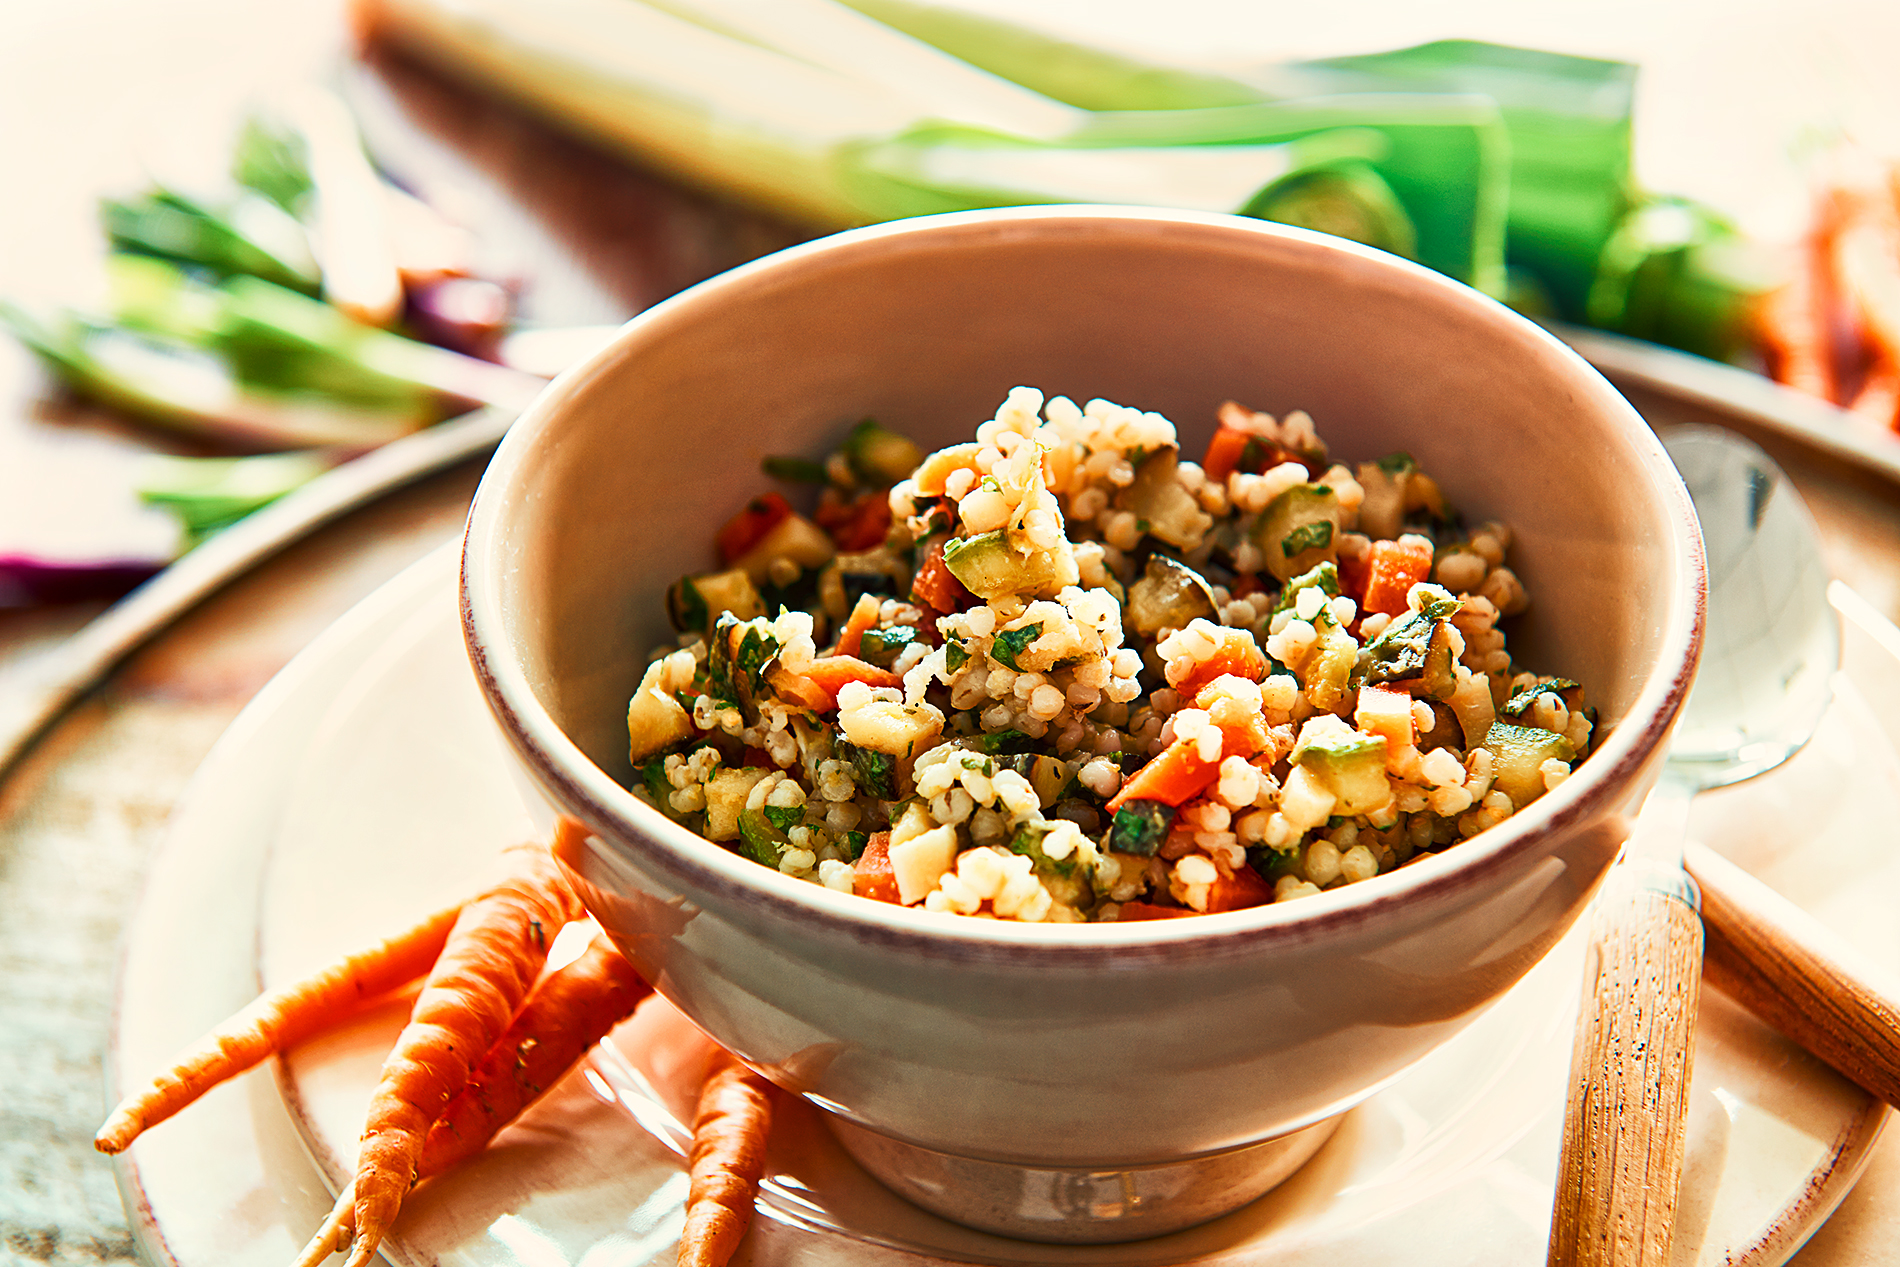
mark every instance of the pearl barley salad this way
{"type": "Point", "coordinates": [1060, 674]}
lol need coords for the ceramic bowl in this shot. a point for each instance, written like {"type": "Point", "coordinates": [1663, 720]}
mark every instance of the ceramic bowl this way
{"type": "Point", "coordinates": [1055, 1071]}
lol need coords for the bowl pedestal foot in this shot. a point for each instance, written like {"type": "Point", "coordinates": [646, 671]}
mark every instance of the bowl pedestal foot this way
{"type": "Point", "coordinates": [1080, 1205]}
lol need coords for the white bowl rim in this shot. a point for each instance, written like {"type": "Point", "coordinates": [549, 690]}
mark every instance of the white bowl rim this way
{"type": "Point", "coordinates": [695, 864]}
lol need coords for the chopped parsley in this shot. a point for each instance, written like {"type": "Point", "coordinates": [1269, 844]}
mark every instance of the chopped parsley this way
{"type": "Point", "coordinates": [1011, 643]}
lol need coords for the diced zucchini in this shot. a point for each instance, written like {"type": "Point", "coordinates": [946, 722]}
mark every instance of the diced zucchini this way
{"type": "Point", "coordinates": [655, 720]}
{"type": "Point", "coordinates": [1348, 763]}
{"type": "Point", "coordinates": [694, 603]}
{"type": "Point", "coordinates": [1414, 652]}
{"type": "Point", "coordinates": [1139, 827]}
{"type": "Point", "coordinates": [990, 565]}
{"type": "Point", "coordinates": [880, 456]}
{"type": "Point", "coordinates": [1169, 595]}
{"type": "Point", "coordinates": [726, 794]}
{"type": "Point", "coordinates": [1382, 513]}
{"type": "Point", "coordinates": [793, 537]}
{"type": "Point", "coordinates": [1164, 509]}
{"type": "Point", "coordinates": [1517, 757]}
{"type": "Point", "coordinates": [1327, 670]}
{"type": "Point", "coordinates": [1471, 701]}
{"type": "Point", "coordinates": [1299, 529]}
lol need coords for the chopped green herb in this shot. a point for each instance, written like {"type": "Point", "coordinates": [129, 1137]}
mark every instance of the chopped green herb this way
{"type": "Point", "coordinates": [1028, 842]}
{"type": "Point", "coordinates": [1323, 577]}
{"type": "Point", "coordinates": [762, 839]}
{"type": "Point", "coordinates": [1400, 463]}
{"type": "Point", "coordinates": [882, 646]}
{"type": "Point", "coordinates": [954, 656]}
{"type": "Point", "coordinates": [1139, 827]}
{"type": "Point", "coordinates": [877, 771]}
{"type": "Point", "coordinates": [653, 777]}
{"type": "Point", "coordinates": [1011, 643]}
{"type": "Point", "coordinates": [1314, 535]}
{"type": "Point", "coordinates": [852, 845]}
{"type": "Point", "coordinates": [686, 607]}
{"type": "Point", "coordinates": [785, 817]}
{"type": "Point", "coordinates": [1521, 701]}
{"type": "Point", "coordinates": [1003, 741]}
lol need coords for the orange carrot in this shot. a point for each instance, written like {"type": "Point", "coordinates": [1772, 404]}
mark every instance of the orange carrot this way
{"type": "Point", "coordinates": [726, 1161]}
{"type": "Point", "coordinates": [1237, 654]}
{"type": "Point", "coordinates": [863, 616]}
{"type": "Point", "coordinates": [935, 586]}
{"type": "Point", "coordinates": [747, 528]}
{"type": "Point", "coordinates": [872, 874]}
{"type": "Point", "coordinates": [1132, 911]}
{"type": "Point", "coordinates": [1172, 777]}
{"type": "Point", "coordinates": [276, 1021]}
{"type": "Point", "coordinates": [491, 957]}
{"type": "Point", "coordinates": [567, 1013]}
{"type": "Point", "coordinates": [1237, 890]}
{"type": "Point", "coordinates": [1224, 452]}
{"type": "Point", "coordinates": [1393, 568]}
{"type": "Point", "coordinates": [830, 674]}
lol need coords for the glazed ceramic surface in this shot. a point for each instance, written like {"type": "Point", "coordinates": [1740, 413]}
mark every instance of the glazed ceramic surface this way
{"type": "Point", "coordinates": [369, 756]}
{"type": "Point", "coordinates": [1028, 1044]}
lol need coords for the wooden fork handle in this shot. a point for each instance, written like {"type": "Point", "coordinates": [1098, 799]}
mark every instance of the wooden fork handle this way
{"type": "Point", "coordinates": [1783, 965]}
{"type": "Point", "coordinates": [1621, 1164]}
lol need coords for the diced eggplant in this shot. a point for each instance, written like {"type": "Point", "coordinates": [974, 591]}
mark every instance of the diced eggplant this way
{"type": "Point", "coordinates": [1164, 509]}
{"type": "Point", "coordinates": [694, 603]}
{"type": "Point", "coordinates": [1169, 595]}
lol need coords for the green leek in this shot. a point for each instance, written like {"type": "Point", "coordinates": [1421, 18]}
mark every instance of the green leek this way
{"type": "Point", "coordinates": [206, 494]}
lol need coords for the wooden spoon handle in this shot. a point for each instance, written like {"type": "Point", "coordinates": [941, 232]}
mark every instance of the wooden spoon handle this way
{"type": "Point", "coordinates": [1621, 1163]}
{"type": "Point", "coordinates": [1783, 965]}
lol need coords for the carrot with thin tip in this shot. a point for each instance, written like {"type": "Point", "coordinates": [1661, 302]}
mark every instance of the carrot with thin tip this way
{"type": "Point", "coordinates": [566, 1013]}
{"type": "Point", "coordinates": [488, 962]}
{"type": "Point", "coordinates": [726, 1161]}
{"type": "Point", "coordinates": [276, 1021]}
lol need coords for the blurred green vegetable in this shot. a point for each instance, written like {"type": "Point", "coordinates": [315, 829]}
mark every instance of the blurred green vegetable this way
{"type": "Point", "coordinates": [207, 494]}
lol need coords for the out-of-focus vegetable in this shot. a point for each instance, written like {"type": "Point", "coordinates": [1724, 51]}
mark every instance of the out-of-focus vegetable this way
{"type": "Point", "coordinates": [250, 235]}
{"type": "Point", "coordinates": [712, 100]}
{"type": "Point", "coordinates": [347, 212]}
{"type": "Point", "coordinates": [1675, 272]}
{"type": "Point", "coordinates": [192, 391]}
{"type": "Point", "coordinates": [207, 494]}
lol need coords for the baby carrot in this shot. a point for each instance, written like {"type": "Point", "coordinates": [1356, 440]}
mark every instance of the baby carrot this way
{"type": "Point", "coordinates": [275, 1021]}
{"type": "Point", "coordinates": [567, 1013]}
{"type": "Point", "coordinates": [491, 957]}
{"type": "Point", "coordinates": [726, 1161]}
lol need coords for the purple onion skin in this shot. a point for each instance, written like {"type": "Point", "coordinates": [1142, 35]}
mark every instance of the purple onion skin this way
{"type": "Point", "coordinates": [464, 314]}
{"type": "Point", "coordinates": [26, 581]}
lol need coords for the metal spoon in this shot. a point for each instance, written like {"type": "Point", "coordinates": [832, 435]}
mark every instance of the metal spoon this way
{"type": "Point", "coordinates": [1769, 651]}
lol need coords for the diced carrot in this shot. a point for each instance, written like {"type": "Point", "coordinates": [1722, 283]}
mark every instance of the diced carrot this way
{"type": "Point", "coordinates": [1172, 777]}
{"type": "Point", "coordinates": [1243, 730]}
{"type": "Point", "coordinates": [872, 875]}
{"type": "Point", "coordinates": [1395, 567]}
{"type": "Point", "coordinates": [936, 587]}
{"type": "Point", "coordinates": [831, 673]}
{"type": "Point", "coordinates": [1354, 571]}
{"type": "Point", "coordinates": [1237, 654]}
{"type": "Point", "coordinates": [1148, 910]}
{"type": "Point", "coordinates": [863, 616]}
{"type": "Point", "coordinates": [1223, 453]}
{"type": "Point", "coordinates": [1238, 891]}
{"type": "Point", "coordinates": [747, 528]}
{"type": "Point", "coordinates": [801, 691]}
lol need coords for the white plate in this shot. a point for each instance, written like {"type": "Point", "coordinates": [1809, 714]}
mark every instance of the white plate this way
{"type": "Point", "coordinates": [370, 765]}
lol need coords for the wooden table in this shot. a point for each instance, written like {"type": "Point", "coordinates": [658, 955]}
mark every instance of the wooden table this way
{"type": "Point", "coordinates": [79, 820]}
